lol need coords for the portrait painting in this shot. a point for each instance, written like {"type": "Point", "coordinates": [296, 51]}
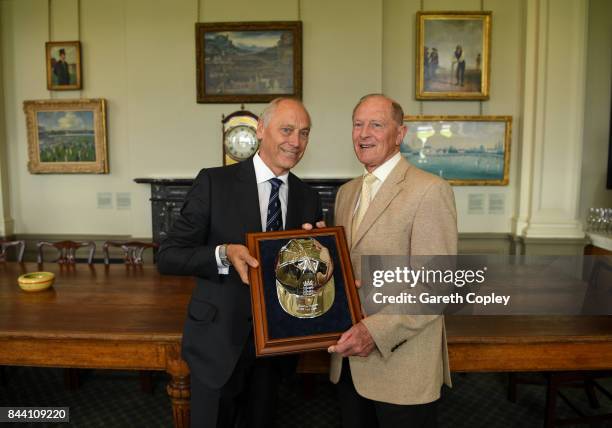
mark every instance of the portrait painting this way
{"type": "Point", "coordinates": [66, 136]}
{"type": "Point", "coordinates": [464, 150]}
{"type": "Point", "coordinates": [248, 62]}
{"type": "Point", "coordinates": [63, 65]}
{"type": "Point", "coordinates": [609, 181]}
{"type": "Point", "coordinates": [453, 50]}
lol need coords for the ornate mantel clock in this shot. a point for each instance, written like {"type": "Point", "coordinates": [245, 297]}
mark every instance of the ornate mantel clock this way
{"type": "Point", "coordinates": [239, 136]}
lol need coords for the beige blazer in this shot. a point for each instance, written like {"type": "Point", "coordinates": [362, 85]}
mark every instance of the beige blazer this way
{"type": "Point", "coordinates": [413, 213]}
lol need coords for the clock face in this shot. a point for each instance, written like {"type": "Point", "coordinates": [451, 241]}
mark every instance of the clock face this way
{"type": "Point", "coordinates": [241, 142]}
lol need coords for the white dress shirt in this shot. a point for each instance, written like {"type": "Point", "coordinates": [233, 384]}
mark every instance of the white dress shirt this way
{"type": "Point", "coordinates": [381, 173]}
{"type": "Point", "coordinates": [264, 188]}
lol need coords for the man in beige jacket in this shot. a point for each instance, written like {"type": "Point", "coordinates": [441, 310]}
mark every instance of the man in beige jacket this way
{"type": "Point", "coordinates": [398, 363]}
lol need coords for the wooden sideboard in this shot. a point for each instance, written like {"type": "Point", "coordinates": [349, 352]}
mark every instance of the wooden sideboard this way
{"type": "Point", "coordinates": [600, 244]}
{"type": "Point", "coordinates": [168, 195]}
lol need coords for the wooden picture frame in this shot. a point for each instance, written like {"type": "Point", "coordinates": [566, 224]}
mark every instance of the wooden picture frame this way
{"type": "Point", "coordinates": [276, 330]}
{"type": "Point", "coordinates": [248, 62]}
{"type": "Point", "coordinates": [66, 136]}
{"type": "Point", "coordinates": [609, 180]}
{"type": "Point", "coordinates": [63, 66]}
{"type": "Point", "coordinates": [453, 55]}
{"type": "Point", "coordinates": [464, 150]}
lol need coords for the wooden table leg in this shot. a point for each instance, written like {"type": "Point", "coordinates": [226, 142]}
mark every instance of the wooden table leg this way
{"type": "Point", "coordinates": [179, 387]}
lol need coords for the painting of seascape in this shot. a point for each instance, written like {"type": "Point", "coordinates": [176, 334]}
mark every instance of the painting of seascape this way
{"type": "Point", "coordinates": [465, 150]}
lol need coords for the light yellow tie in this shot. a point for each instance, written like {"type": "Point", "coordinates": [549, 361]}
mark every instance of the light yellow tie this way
{"type": "Point", "coordinates": [364, 200]}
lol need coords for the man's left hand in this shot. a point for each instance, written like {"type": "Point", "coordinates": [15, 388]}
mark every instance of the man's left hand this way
{"type": "Point", "coordinates": [355, 341]}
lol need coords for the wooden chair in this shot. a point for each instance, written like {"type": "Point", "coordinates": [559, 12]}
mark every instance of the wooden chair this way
{"type": "Point", "coordinates": [132, 255]}
{"type": "Point", "coordinates": [597, 300]}
{"type": "Point", "coordinates": [20, 249]}
{"type": "Point", "coordinates": [67, 255]}
{"type": "Point", "coordinates": [132, 250]}
{"type": "Point", "coordinates": [67, 250]}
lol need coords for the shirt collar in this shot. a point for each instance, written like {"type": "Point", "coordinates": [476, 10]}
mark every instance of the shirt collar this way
{"type": "Point", "coordinates": [263, 173]}
{"type": "Point", "coordinates": [383, 171]}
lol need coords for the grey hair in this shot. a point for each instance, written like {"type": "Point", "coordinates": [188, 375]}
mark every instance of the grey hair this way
{"type": "Point", "coordinates": [397, 112]}
{"type": "Point", "coordinates": [268, 111]}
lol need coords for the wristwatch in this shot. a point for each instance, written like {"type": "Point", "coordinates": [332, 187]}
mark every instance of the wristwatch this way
{"type": "Point", "coordinates": [223, 255]}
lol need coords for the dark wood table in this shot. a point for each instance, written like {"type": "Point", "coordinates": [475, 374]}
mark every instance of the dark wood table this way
{"type": "Point", "coordinates": [115, 317]}
{"type": "Point", "coordinates": [529, 343]}
{"type": "Point", "coordinates": [516, 343]}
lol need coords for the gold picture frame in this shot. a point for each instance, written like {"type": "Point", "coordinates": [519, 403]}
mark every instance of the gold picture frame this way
{"type": "Point", "coordinates": [464, 150]}
{"type": "Point", "coordinates": [66, 136]}
{"type": "Point", "coordinates": [63, 66]}
{"type": "Point", "coordinates": [248, 62]}
{"type": "Point", "coordinates": [453, 55]}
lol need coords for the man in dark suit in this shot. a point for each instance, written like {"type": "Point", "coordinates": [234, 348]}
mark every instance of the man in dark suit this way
{"type": "Point", "coordinates": [229, 387]}
{"type": "Point", "coordinates": [60, 69]}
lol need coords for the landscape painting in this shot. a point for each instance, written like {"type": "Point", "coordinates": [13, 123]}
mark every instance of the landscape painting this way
{"type": "Point", "coordinates": [465, 150]}
{"type": "Point", "coordinates": [453, 55]}
{"type": "Point", "coordinates": [66, 136]}
{"type": "Point", "coordinates": [248, 62]}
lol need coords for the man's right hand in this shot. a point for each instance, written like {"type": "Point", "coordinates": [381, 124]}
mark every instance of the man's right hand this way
{"type": "Point", "coordinates": [241, 259]}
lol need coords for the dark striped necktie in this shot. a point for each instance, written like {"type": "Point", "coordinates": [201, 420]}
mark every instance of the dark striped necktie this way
{"type": "Point", "coordinates": [275, 219]}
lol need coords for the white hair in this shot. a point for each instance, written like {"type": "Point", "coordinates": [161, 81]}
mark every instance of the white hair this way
{"type": "Point", "coordinates": [268, 111]}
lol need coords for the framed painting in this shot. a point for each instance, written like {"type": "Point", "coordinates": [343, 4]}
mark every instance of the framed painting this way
{"type": "Point", "coordinates": [303, 293]}
{"type": "Point", "coordinates": [63, 66]}
{"type": "Point", "coordinates": [240, 62]}
{"type": "Point", "coordinates": [465, 150]}
{"type": "Point", "coordinates": [66, 136]}
{"type": "Point", "coordinates": [452, 55]}
{"type": "Point", "coordinates": [609, 181]}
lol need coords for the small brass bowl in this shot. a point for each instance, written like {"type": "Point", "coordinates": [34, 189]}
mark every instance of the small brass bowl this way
{"type": "Point", "coordinates": [36, 281]}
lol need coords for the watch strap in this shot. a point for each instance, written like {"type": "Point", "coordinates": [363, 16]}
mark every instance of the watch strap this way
{"type": "Point", "coordinates": [223, 255]}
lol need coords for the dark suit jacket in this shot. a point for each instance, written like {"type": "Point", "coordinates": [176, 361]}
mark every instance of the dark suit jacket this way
{"type": "Point", "coordinates": [221, 207]}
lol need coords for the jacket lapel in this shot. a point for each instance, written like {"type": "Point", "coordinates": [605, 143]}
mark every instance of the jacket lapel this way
{"type": "Point", "coordinates": [294, 204]}
{"type": "Point", "coordinates": [387, 192]}
{"type": "Point", "coordinates": [345, 213]}
{"type": "Point", "coordinates": [247, 197]}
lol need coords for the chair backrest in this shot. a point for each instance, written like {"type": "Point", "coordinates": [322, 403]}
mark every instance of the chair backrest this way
{"type": "Point", "coordinates": [67, 250]}
{"type": "Point", "coordinates": [20, 248]}
{"type": "Point", "coordinates": [132, 250]}
{"type": "Point", "coordinates": [598, 297]}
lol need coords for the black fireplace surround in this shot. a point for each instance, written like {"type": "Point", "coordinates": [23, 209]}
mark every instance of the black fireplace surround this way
{"type": "Point", "coordinates": [168, 195]}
